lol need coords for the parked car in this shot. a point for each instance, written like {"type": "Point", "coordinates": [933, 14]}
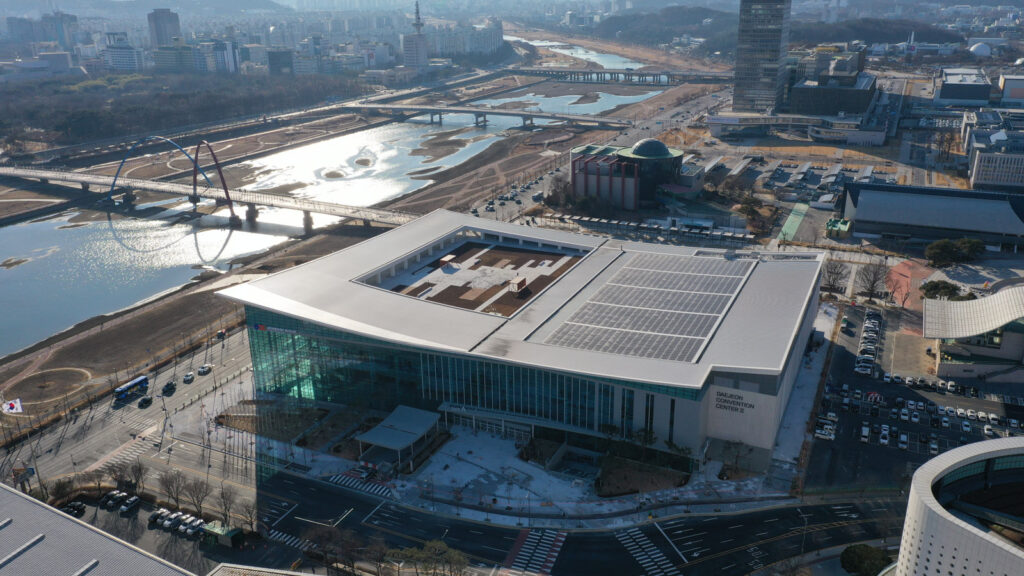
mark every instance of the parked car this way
{"type": "Point", "coordinates": [172, 520]}
{"type": "Point", "coordinates": [130, 504]}
{"type": "Point", "coordinates": [185, 522]}
{"type": "Point", "coordinates": [158, 515]}
{"type": "Point", "coordinates": [196, 526]}
{"type": "Point", "coordinates": [965, 426]}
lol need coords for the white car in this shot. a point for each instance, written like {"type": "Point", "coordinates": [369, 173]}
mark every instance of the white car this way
{"type": "Point", "coordinates": [950, 411]}
{"type": "Point", "coordinates": [988, 430]}
{"type": "Point", "coordinates": [993, 418]}
{"type": "Point", "coordinates": [887, 378]}
{"type": "Point", "coordinates": [883, 438]}
{"type": "Point", "coordinates": [971, 414]}
{"type": "Point", "coordinates": [945, 422]}
{"type": "Point", "coordinates": [961, 413]}
{"type": "Point", "coordinates": [920, 404]}
{"type": "Point", "coordinates": [864, 369]}
{"type": "Point", "coordinates": [915, 417]}
{"type": "Point", "coordinates": [904, 414]}
{"type": "Point", "coordinates": [965, 426]}
{"type": "Point", "coordinates": [982, 417]}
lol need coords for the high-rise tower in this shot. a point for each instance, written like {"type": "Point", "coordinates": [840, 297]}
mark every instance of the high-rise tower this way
{"type": "Point", "coordinates": [414, 46]}
{"type": "Point", "coordinates": [763, 40]}
{"type": "Point", "coordinates": [164, 27]}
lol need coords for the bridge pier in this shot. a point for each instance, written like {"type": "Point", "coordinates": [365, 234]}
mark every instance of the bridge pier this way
{"type": "Point", "coordinates": [251, 213]}
{"type": "Point", "coordinates": [85, 187]}
{"type": "Point", "coordinates": [44, 181]}
{"type": "Point", "coordinates": [307, 221]}
{"type": "Point", "coordinates": [438, 114]}
{"type": "Point", "coordinates": [129, 198]}
{"type": "Point", "coordinates": [194, 199]}
{"type": "Point", "coordinates": [527, 121]}
{"type": "Point", "coordinates": [479, 119]}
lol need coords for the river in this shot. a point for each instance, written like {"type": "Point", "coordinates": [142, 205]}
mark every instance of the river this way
{"type": "Point", "coordinates": [68, 268]}
{"type": "Point", "coordinates": [610, 61]}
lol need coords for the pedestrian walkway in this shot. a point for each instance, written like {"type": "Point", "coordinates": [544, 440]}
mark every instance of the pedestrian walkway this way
{"type": "Point", "coordinates": [374, 488]}
{"type": "Point", "coordinates": [289, 540]}
{"type": "Point", "coordinates": [653, 561]}
{"type": "Point", "coordinates": [537, 554]}
{"type": "Point", "coordinates": [792, 224]}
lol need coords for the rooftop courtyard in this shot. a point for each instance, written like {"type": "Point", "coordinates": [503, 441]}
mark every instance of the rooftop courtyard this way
{"type": "Point", "coordinates": [486, 277]}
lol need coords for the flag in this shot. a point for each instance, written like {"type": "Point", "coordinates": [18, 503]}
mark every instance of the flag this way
{"type": "Point", "coordinates": [261, 326]}
{"type": "Point", "coordinates": [12, 406]}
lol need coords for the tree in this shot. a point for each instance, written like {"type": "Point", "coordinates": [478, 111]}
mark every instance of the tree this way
{"type": "Point", "coordinates": [250, 512]}
{"type": "Point", "coordinates": [896, 286]}
{"type": "Point", "coordinates": [94, 477]}
{"type": "Point", "coordinates": [118, 473]}
{"type": "Point", "coordinates": [864, 560]}
{"type": "Point", "coordinates": [61, 488]}
{"type": "Point", "coordinates": [644, 437]}
{"type": "Point", "coordinates": [870, 278]}
{"type": "Point", "coordinates": [172, 482]}
{"type": "Point", "coordinates": [455, 562]}
{"type": "Point", "coordinates": [377, 552]}
{"type": "Point", "coordinates": [349, 546]}
{"type": "Point", "coordinates": [197, 490]}
{"type": "Point", "coordinates": [137, 471]}
{"type": "Point", "coordinates": [942, 253]}
{"type": "Point", "coordinates": [228, 496]}
{"type": "Point", "coordinates": [834, 276]}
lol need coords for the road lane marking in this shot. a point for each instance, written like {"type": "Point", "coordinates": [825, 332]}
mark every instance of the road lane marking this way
{"type": "Point", "coordinates": [282, 517]}
{"type": "Point", "coordinates": [372, 511]}
{"type": "Point", "coordinates": [771, 520]}
{"type": "Point", "coordinates": [671, 543]}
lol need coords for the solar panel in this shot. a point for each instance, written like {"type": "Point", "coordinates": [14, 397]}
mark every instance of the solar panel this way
{"type": "Point", "coordinates": [659, 306]}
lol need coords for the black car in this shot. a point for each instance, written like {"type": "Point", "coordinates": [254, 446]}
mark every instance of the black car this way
{"type": "Point", "coordinates": [145, 402]}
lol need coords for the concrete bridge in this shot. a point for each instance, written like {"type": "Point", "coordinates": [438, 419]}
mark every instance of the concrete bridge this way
{"type": "Point", "coordinates": [249, 198]}
{"type": "Point", "coordinates": [480, 114]}
{"type": "Point", "coordinates": [645, 76]}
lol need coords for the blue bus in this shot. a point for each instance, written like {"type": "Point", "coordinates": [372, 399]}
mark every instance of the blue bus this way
{"type": "Point", "coordinates": [140, 385]}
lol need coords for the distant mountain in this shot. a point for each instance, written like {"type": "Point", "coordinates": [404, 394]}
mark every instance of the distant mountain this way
{"type": "Point", "coordinates": [719, 28]}
{"type": "Point", "coordinates": [870, 30]}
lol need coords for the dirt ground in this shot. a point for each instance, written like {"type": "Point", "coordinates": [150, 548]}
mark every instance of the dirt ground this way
{"type": "Point", "coordinates": [646, 54]}
{"type": "Point", "coordinates": [620, 476]}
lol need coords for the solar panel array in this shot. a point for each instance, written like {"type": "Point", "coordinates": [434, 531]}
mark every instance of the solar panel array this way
{"type": "Point", "coordinates": [656, 306]}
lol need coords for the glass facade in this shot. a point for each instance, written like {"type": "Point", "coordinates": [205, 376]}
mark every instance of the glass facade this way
{"type": "Point", "coordinates": [306, 362]}
{"type": "Point", "coordinates": [762, 44]}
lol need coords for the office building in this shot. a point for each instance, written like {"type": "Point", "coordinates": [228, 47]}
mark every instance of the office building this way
{"type": "Point", "coordinates": [964, 513]}
{"type": "Point", "coordinates": [529, 331]}
{"type": "Point", "coordinates": [164, 27]}
{"type": "Point", "coordinates": [833, 93]}
{"type": "Point", "coordinates": [978, 337]}
{"type": "Point", "coordinates": [761, 49]}
{"type": "Point", "coordinates": [995, 159]}
{"type": "Point", "coordinates": [415, 50]}
{"type": "Point", "coordinates": [121, 56]}
{"type": "Point", "coordinates": [963, 87]}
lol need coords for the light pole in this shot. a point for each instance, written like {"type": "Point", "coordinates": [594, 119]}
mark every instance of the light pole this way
{"type": "Point", "coordinates": [803, 538]}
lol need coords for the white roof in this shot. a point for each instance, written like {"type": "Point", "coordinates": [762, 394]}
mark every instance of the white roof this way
{"type": "Point", "coordinates": [754, 333]}
{"type": "Point", "coordinates": [403, 427]}
{"type": "Point", "coordinates": [52, 542]}
{"type": "Point", "coordinates": [963, 319]}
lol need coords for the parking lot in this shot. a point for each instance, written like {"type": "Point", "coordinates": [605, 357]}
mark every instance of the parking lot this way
{"type": "Point", "coordinates": [840, 459]}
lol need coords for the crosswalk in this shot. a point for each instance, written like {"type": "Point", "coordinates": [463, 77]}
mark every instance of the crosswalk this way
{"type": "Point", "coordinates": [646, 553]}
{"type": "Point", "coordinates": [129, 454]}
{"type": "Point", "coordinates": [375, 488]}
{"type": "Point", "coordinates": [538, 553]}
{"type": "Point", "coordinates": [289, 540]}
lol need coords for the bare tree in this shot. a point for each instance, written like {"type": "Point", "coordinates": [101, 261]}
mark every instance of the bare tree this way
{"type": "Point", "coordinates": [249, 512]}
{"type": "Point", "coordinates": [377, 553]}
{"type": "Point", "coordinates": [197, 490]}
{"type": "Point", "coordinates": [61, 489]}
{"type": "Point", "coordinates": [172, 482]}
{"type": "Point", "coordinates": [834, 276]}
{"type": "Point", "coordinates": [870, 278]}
{"type": "Point", "coordinates": [137, 471]}
{"type": "Point", "coordinates": [228, 496]}
{"type": "Point", "coordinates": [94, 477]}
{"type": "Point", "coordinates": [349, 547]}
{"type": "Point", "coordinates": [118, 473]}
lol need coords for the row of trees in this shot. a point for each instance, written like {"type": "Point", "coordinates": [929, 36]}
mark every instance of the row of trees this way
{"type": "Point", "coordinates": [946, 252]}
{"type": "Point", "coordinates": [174, 484]}
{"type": "Point", "coordinates": [341, 550]}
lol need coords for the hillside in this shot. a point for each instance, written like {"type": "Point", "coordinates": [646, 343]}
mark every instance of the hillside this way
{"type": "Point", "coordinates": [135, 7]}
{"type": "Point", "coordinates": [720, 33]}
{"type": "Point", "coordinates": [870, 30]}
{"type": "Point", "coordinates": [662, 26]}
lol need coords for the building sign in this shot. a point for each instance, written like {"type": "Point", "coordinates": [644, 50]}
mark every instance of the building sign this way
{"type": "Point", "coordinates": [732, 402]}
{"type": "Point", "coordinates": [742, 415]}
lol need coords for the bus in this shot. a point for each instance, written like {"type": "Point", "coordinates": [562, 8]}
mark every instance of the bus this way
{"type": "Point", "coordinates": [140, 385]}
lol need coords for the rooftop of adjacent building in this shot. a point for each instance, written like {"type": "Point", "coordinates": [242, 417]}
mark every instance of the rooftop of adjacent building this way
{"type": "Point", "coordinates": [964, 76]}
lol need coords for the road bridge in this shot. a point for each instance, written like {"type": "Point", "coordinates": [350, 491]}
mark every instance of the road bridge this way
{"type": "Point", "coordinates": [250, 198]}
{"type": "Point", "coordinates": [645, 76]}
{"type": "Point", "coordinates": [480, 114]}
